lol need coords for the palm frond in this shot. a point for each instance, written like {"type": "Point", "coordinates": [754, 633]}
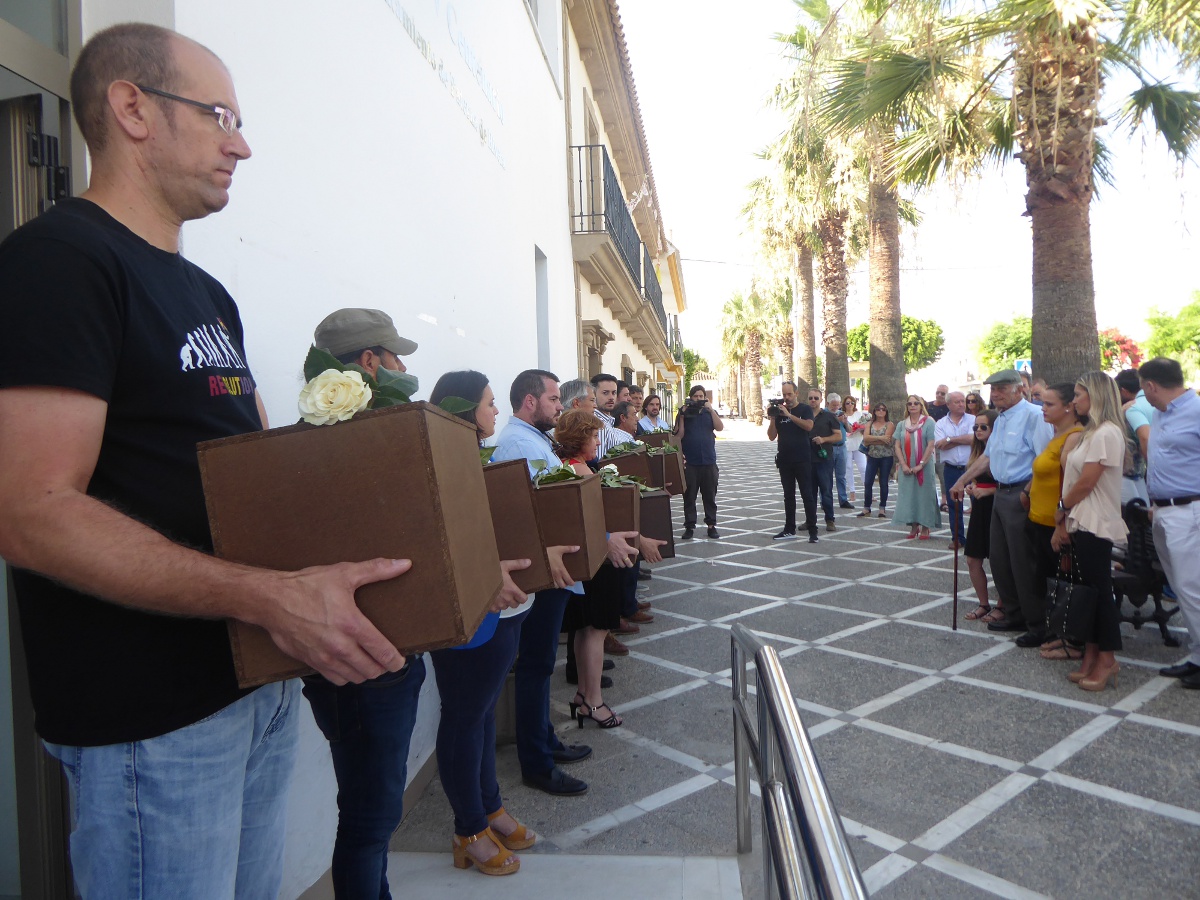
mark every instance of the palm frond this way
{"type": "Point", "coordinates": [1175, 114]}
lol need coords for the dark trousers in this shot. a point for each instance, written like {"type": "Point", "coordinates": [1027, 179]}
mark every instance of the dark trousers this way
{"type": "Point", "coordinates": [704, 480]}
{"type": "Point", "coordinates": [790, 475]}
{"type": "Point", "coordinates": [881, 467]}
{"type": "Point", "coordinates": [950, 474]}
{"type": "Point", "coordinates": [537, 650]}
{"type": "Point", "coordinates": [369, 727]}
{"type": "Point", "coordinates": [822, 483]}
{"type": "Point", "coordinates": [1093, 560]}
{"type": "Point", "coordinates": [629, 586]}
{"type": "Point", "coordinates": [470, 682]}
{"type": "Point", "coordinates": [1012, 561]}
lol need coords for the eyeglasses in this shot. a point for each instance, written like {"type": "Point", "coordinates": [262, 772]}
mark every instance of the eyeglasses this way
{"type": "Point", "coordinates": [912, 403]}
{"type": "Point", "coordinates": [981, 428]}
{"type": "Point", "coordinates": [226, 118]}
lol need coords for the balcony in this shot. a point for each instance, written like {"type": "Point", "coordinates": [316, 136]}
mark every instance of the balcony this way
{"type": "Point", "coordinates": [610, 254]}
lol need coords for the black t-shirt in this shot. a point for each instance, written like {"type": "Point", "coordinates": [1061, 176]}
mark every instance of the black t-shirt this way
{"type": "Point", "coordinates": [794, 441]}
{"type": "Point", "coordinates": [89, 305]}
{"type": "Point", "coordinates": [825, 424]}
{"type": "Point", "coordinates": [938, 412]}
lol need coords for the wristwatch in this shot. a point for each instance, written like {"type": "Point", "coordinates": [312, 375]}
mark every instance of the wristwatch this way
{"type": "Point", "coordinates": [1063, 506]}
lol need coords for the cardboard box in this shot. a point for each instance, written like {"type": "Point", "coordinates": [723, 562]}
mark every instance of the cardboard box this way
{"type": "Point", "coordinates": [572, 512]}
{"type": "Point", "coordinates": [402, 482]}
{"type": "Point", "coordinates": [515, 522]}
{"type": "Point", "coordinates": [674, 482]}
{"type": "Point", "coordinates": [655, 439]}
{"type": "Point", "coordinates": [621, 507]}
{"type": "Point", "coordinates": [635, 463]}
{"type": "Point", "coordinates": [656, 521]}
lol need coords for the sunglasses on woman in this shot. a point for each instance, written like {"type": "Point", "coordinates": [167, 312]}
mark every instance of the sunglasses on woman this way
{"type": "Point", "coordinates": [981, 428]}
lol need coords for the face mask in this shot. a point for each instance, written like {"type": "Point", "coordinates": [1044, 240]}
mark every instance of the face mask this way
{"type": "Point", "coordinates": [402, 381]}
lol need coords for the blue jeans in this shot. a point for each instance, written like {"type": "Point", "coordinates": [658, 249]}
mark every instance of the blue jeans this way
{"type": "Point", "coordinates": [368, 727]}
{"type": "Point", "coordinates": [822, 475]}
{"type": "Point", "coordinates": [194, 813]}
{"type": "Point", "coordinates": [470, 682]}
{"type": "Point", "coordinates": [839, 471]}
{"type": "Point", "coordinates": [950, 474]}
{"type": "Point", "coordinates": [881, 466]}
{"type": "Point", "coordinates": [538, 648]}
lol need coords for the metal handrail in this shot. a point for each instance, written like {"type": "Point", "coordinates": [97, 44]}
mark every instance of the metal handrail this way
{"type": "Point", "coordinates": [805, 853]}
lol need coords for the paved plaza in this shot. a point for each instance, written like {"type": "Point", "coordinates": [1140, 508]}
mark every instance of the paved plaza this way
{"type": "Point", "coordinates": [962, 765]}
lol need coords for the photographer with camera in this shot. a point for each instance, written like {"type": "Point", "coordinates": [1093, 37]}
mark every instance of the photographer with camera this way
{"type": "Point", "coordinates": [790, 422]}
{"type": "Point", "coordinates": [695, 424]}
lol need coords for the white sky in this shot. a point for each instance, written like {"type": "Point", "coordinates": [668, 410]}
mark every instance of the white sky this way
{"type": "Point", "coordinates": [704, 73]}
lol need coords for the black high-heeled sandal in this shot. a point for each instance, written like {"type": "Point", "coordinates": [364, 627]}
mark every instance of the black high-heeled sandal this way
{"type": "Point", "coordinates": [611, 722]}
{"type": "Point", "coordinates": [575, 706]}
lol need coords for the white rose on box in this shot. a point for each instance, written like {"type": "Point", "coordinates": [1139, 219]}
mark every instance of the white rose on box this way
{"type": "Point", "coordinates": [333, 396]}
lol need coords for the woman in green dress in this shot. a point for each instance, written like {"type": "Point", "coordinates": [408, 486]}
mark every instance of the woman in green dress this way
{"type": "Point", "coordinates": [913, 441]}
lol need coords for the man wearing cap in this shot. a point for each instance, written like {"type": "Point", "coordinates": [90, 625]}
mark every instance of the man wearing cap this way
{"type": "Point", "coordinates": [369, 726]}
{"type": "Point", "coordinates": [1018, 436]}
{"type": "Point", "coordinates": [1173, 482]}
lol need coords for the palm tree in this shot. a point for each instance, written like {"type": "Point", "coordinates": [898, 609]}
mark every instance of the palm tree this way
{"type": "Point", "coordinates": [742, 329]}
{"type": "Point", "coordinates": [777, 312]}
{"type": "Point", "coordinates": [1053, 52]}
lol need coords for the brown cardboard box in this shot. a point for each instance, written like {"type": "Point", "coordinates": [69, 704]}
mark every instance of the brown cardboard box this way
{"type": "Point", "coordinates": [674, 482]}
{"type": "Point", "coordinates": [402, 482]}
{"type": "Point", "coordinates": [572, 512]}
{"type": "Point", "coordinates": [658, 471]}
{"type": "Point", "coordinates": [655, 439]}
{"type": "Point", "coordinates": [621, 508]}
{"type": "Point", "coordinates": [635, 463]}
{"type": "Point", "coordinates": [656, 521]}
{"type": "Point", "coordinates": [515, 522]}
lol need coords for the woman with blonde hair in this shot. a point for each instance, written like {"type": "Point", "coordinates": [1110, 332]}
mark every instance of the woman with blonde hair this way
{"type": "Point", "coordinates": [1088, 521]}
{"type": "Point", "coordinates": [913, 442]}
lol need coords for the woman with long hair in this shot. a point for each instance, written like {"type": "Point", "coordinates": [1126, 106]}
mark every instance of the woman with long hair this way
{"type": "Point", "coordinates": [877, 444]}
{"type": "Point", "coordinates": [975, 404]}
{"type": "Point", "coordinates": [592, 616]}
{"type": "Point", "coordinates": [913, 441]}
{"type": "Point", "coordinates": [979, 527]}
{"type": "Point", "coordinates": [1089, 521]}
{"type": "Point", "coordinates": [855, 424]}
{"type": "Point", "coordinates": [1040, 498]}
{"type": "Point", "coordinates": [469, 680]}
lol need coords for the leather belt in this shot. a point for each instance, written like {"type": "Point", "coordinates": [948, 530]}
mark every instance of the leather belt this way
{"type": "Point", "coordinates": [1177, 501]}
{"type": "Point", "coordinates": [1008, 486]}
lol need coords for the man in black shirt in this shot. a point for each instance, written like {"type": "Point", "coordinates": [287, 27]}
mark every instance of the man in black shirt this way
{"type": "Point", "coordinates": [179, 779]}
{"type": "Point", "coordinates": [695, 424]}
{"type": "Point", "coordinates": [826, 432]}
{"type": "Point", "coordinates": [792, 423]}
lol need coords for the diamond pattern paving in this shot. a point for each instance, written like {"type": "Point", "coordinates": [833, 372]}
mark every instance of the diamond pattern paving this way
{"type": "Point", "coordinates": [962, 765]}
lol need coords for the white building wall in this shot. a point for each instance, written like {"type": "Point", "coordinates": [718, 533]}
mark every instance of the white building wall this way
{"type": "Point", "coordinates": [408, 155]}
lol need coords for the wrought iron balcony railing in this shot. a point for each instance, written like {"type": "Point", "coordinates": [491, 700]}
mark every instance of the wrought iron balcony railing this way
{"type": "Point", "coordinates": [600, 205]}
{"type": "Point", "coordinates": [651, 289]}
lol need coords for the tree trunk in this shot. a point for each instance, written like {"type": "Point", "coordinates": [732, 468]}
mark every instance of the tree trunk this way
{"type": "Point", "coordinates": [887, 369]}
{"type": "Point", "coordinates": [787, 349]}
{"type": "Point", "coordinates": [1056, 90]}
{"type": "Point", "coordinates": [754, 396]}
{"type": "Point", "coordinates": [834, 290]}
{"type": "Point", "coordinates": [808, 333]}
{"type": "Point", "coordinates": [742, 387]}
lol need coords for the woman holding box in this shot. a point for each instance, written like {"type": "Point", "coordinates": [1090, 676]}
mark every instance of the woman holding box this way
{"type": "Point", "coordinates": [469, 680]}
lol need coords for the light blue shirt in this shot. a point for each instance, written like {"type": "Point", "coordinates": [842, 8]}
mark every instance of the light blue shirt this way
{"type": "Point", "coordinates": [1019, 435]}
{"type": "Point", "coordinates": [1174, 464]}
{"type": "Point", "coordinates": [649, 425]}
{"type": "Point", "coordinates": [1141, 413]}
{"type": "Point", "coordinates": [520, 440]}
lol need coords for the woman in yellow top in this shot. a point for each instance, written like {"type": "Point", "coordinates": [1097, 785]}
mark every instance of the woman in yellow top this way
{"type": "Point", "coordinates": [1040, 497]}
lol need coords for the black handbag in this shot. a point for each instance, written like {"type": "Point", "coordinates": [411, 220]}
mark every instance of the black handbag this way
{"type": "Point", "coordinates": [1071, 607]}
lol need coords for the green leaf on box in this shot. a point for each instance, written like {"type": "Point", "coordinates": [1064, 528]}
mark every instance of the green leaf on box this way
{"type": "Point", "coordinates": [622, 449]}
{"type": "Point", "coordinates": [318, 361]}
{"type": "Point", "coordinates": [554, 476]}
{"type": "Point", "coordinates": [486, 453]}
{"type": "Point", "coordinates": [456, 405]}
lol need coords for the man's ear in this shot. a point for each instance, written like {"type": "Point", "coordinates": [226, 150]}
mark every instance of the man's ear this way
{"type": "Point", "coordinates": [128, 106]}
{"type": "Point", "coordinates": [369, 361]}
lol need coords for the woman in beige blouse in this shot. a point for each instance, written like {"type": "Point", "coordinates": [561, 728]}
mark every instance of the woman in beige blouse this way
{"type": "Point", "coordinates": [1088, 521]}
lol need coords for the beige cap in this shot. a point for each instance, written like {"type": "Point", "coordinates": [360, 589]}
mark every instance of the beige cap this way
{"type": "Point", "coordinates": [357, 329]}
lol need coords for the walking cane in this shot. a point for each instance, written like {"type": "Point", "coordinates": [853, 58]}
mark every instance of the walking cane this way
{"type": "Point", "coordinates": [955, 541]}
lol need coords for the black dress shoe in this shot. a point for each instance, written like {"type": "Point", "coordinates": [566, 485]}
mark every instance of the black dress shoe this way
{"type": "Point", "coordinates": [687, 535]}
{"type": "Point", "coordinates": [812, 538]}
{"type": "Point", "coordinates": [1031, 639]}
{"type": "Point", "coordinates": [557, 782]}
{"type": "Point", "coordinates": [846, 505]}
{"type": "Point", "coordinates": [572, 753]}
{"type": "Point", "coordinates": [1006, 626]}
{"type": "Point", "coordinates": [1191, 681]}
{"type": "Point", "coordinates": [1183, 670]}
{"type": "Point", "coordinates": [609, 665]}
{"type": "Point", "coordinates": [713, 533]}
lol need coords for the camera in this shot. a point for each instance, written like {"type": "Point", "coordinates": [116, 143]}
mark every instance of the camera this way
{"type": "Point", "coordinates": [692, 407]}
{"type": "Point", "coordinates": [776, 406]}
